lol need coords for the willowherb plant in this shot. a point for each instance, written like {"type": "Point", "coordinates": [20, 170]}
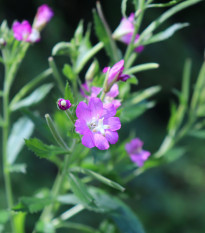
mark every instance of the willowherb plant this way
{"type": "Point", "coordinates": [87, 149]}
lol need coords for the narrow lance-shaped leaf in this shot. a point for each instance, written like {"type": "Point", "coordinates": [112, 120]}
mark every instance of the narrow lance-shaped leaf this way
{"type": "Point", "coordinates": [34, 98]}
{"type": "Point", "coordinates": [79, 189]}
{"type": "Point", "coordinates": [166, 34]}
{"type": "Point", "coordinates": [22, 129]}
{"type": "Point", "coordinates": [69, 93]}
{"type": "Point", "coordinates": [101, 178]}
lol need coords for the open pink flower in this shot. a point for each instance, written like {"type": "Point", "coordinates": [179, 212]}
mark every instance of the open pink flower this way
{"type": "Point", "coordinates": [97, 125]}
{"type": "Point", "coordinates": [116, 72]}
{"type": "Point", "coordinates": [137, 155]}
{"type": "Point", "coordinates": [43, 16]}
{"type": "Point", "coordinates": [22, 30]}
{"type": "Point", "coordinates": [125, 31]}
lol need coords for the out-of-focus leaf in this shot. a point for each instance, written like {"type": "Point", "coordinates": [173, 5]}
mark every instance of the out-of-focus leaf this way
{"type": "Point", "coordinates": [32, 204]}
{"type": "Point", "coordinates": [129, 113]}
{"type": "Point", "coordinates": [103, 36]}
{"type": "Point", "coordinates": [4, 217]}
{"type": "Point", "coordinates": [45, 227]}
{"type": "Point", "coordinates": [174, 154]}
{"type": "Point", "coordinates": [22, 129]}
{"type": "Point", "coordinates": [68, 199]}
{"type": "Point", "coordinates": [173, 2]}
{"type": "Point", "coordinates": [167, 33]}
{"type": "Point", "coordinates": [69, 93]}
{"type": "Point", "coordinates": [68, 72]}
{"type": "Point", "coordinates": [142, 67]}
{"type": "Point", "coordinates": [80, 190]}
{"type": "Point", "coordinates": [42, 150]}
{"type": "Point", "coordinates": [124, 7]}
{"type": "Point", "coordinates": [62, 48]}
{"type": "Point", "coordinates": [78, 35]}
{"type": "Point", "coordinates": [18, 168]}
{"type": "Point", "coordinates": [197, 133]}
{"type": "Point", "coordinates": [119, 212]}
{"type": "Point", "coordinates": [101, 178]}
{"type": "Point", "coordinates": [34, 98]}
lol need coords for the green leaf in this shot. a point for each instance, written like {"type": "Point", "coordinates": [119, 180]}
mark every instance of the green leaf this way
{"type": "Point", "coordinates": [101, 178]}
{"type": "Point", "coordinates": [68, 72]}
{"type": "Point", "coordinates": [22, 129]}
{"type": "Point", "coordinates": [129, 113]}
{"type": "Point", "coordinates": [166, 34]}
{"type": "Point", "coordinates": [80, 190]}
{"type": "Point", "coordinates": [69, 93]}
{"type": "Point", "coordinates": [172, 11]}
{"type": "Point", "coordinates": [173, 2]}
{"type": "Point", "coordinates": [142, 67]}
{"type": "Point", "coordinates": [119, 212]}
{"type": "Point", "coordinates": [103, 36]}
{"type": "Point", "coordinates": [174, 154]}
{"type": "Point", "coordinates": [18, 168]}
{"type": "Point", "coordinates": [197, 133]}
{"type": "Point", "coordinates": [32, 204]}
{"type": "Point", "coordinates": [124, 7]}
{"type": "Point", "coordinates": [4, 217]}
{"type": "Point", "coordinates": [34, 98]}
{"type": "Point", "coordinates": [78, 226]}
{"type": "Point", "coordinates": [42, 150]}
{"type": "Point", "coordinates": [62, 48]}
{"type": "Point", "coordinates": [19, 220]}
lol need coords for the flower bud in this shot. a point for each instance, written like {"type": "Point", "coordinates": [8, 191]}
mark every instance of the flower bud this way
{"type": "Point", "coordinates": [63, 104]}
{"type": "Point", "coordinates": [91, 71]}
{"type": "Point", "coordinates": [2, 43]}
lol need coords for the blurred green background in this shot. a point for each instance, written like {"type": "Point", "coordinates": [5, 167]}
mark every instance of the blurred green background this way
{"type": "Point", "coordinates": [169, 198]}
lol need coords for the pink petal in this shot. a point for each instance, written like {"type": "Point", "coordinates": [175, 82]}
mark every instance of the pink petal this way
{"type": "Point", "coordinates": [95, 91]}
{"type": "Point", "coordinates": [88, 139]}
{"type": "Point", "coordinates": [81, 126]}
{"type": "Point", "coordinates": [101, 142]}
{"type": "Point", "coordinates": [114, 91]}
{"type": "Point", "coordinates": [96, 107]}
{"type": "Point", "coordinates": [116, 70]}
{"type": "Point", "coordinates": [114, 123]}
{"type": "Point", "coordinates": [105, 69]}
{"type": "Point", "coordinates": [83, 112]}
{"type": "Point", "coordinates": [112, 137]}
{"type": "Point", "coordinates": [109, 111]}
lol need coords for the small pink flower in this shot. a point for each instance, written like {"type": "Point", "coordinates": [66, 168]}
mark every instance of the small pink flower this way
{"type": "Point", "coordinates": [43, 16]}
{"type": "Point", "coordinates": [137, 155]}
{"type": "Point", "coordinates": [125, 31]}
{"type": "Point", "coordinates": [22, 30]}
{"type": "Point", "coordinates": [97, 125]}
{"type": "Point", "coordinates": [63, 104]}
{"type": "Point", "coordinates": [115, 73]}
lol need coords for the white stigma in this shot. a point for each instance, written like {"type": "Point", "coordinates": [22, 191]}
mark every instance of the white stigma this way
{"type": "Point", "coordinates": [63, 103]}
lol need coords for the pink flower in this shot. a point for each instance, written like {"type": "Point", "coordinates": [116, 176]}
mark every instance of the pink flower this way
{"type": "Point", "coordinates": [109, 96]}
{"type": "Point", "coordinates": [97, 125]}
{"type": "Point", "coordinates": [43, 16]}
{"type": "Point", "coordinates": [137, 155]}
{"type": "Point", "coordinates": [115, 72]}
{"type": "Point", "coordinates": [63, 104]}
{"type": "Point", "coordinates": [24, 32]}
{"type": "Point", "coordinates": [125, 31]}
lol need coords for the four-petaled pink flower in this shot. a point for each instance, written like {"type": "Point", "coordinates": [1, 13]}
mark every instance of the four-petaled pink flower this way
{"type": "Point", "coordinates": [125, 31]}
{"type": "Point", "coordinates": [43, 16]}
{"type": "Point", "coordinates": [24, 32]}
{"type": "Point", "coordinates": [137, 155]}
{"type": "Point", "coordinates": [116, 72]}
{"type": "Point", "coordinates": [97, 125]}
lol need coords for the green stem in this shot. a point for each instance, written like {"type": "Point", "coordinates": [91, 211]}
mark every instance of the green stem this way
{"type": "Point", "coordinates": [5, 130]}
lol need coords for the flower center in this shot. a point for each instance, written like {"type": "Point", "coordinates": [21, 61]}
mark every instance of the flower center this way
{"type": "Point", "coordinates": [96, 125]}
{"type": "Point", "coordinates": [63, 103]}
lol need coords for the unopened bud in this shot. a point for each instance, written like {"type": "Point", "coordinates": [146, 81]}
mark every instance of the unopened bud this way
{"type": "Point", "coordinates": [92, 71]}
{"type": "Point", "coordinates": [2, 42]}
{"type": "Point", "coordinates": [63, 104]}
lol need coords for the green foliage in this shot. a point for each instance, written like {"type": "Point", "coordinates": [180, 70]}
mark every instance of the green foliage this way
{"type": "Point", "coordinates": [22, 129]}
{"type": "Point", "coordinates": [80, 190]}
{"type": "Point", "coordinates": [69, 93]}
{"type": "Point", "coordinates": [32, 204]}
{"type": "Point", "coordinates": [34, 98]}
{"type": "Point", "coordinates": [42, 150]}
{"type": "Point", "coordinates": [68, 72]}
{"type": "Point", "coordinates": [100, 178]}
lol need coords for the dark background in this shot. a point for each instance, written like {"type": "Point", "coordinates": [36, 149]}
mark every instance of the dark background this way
{"type": "Point", "coordinates": [170, 198]}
